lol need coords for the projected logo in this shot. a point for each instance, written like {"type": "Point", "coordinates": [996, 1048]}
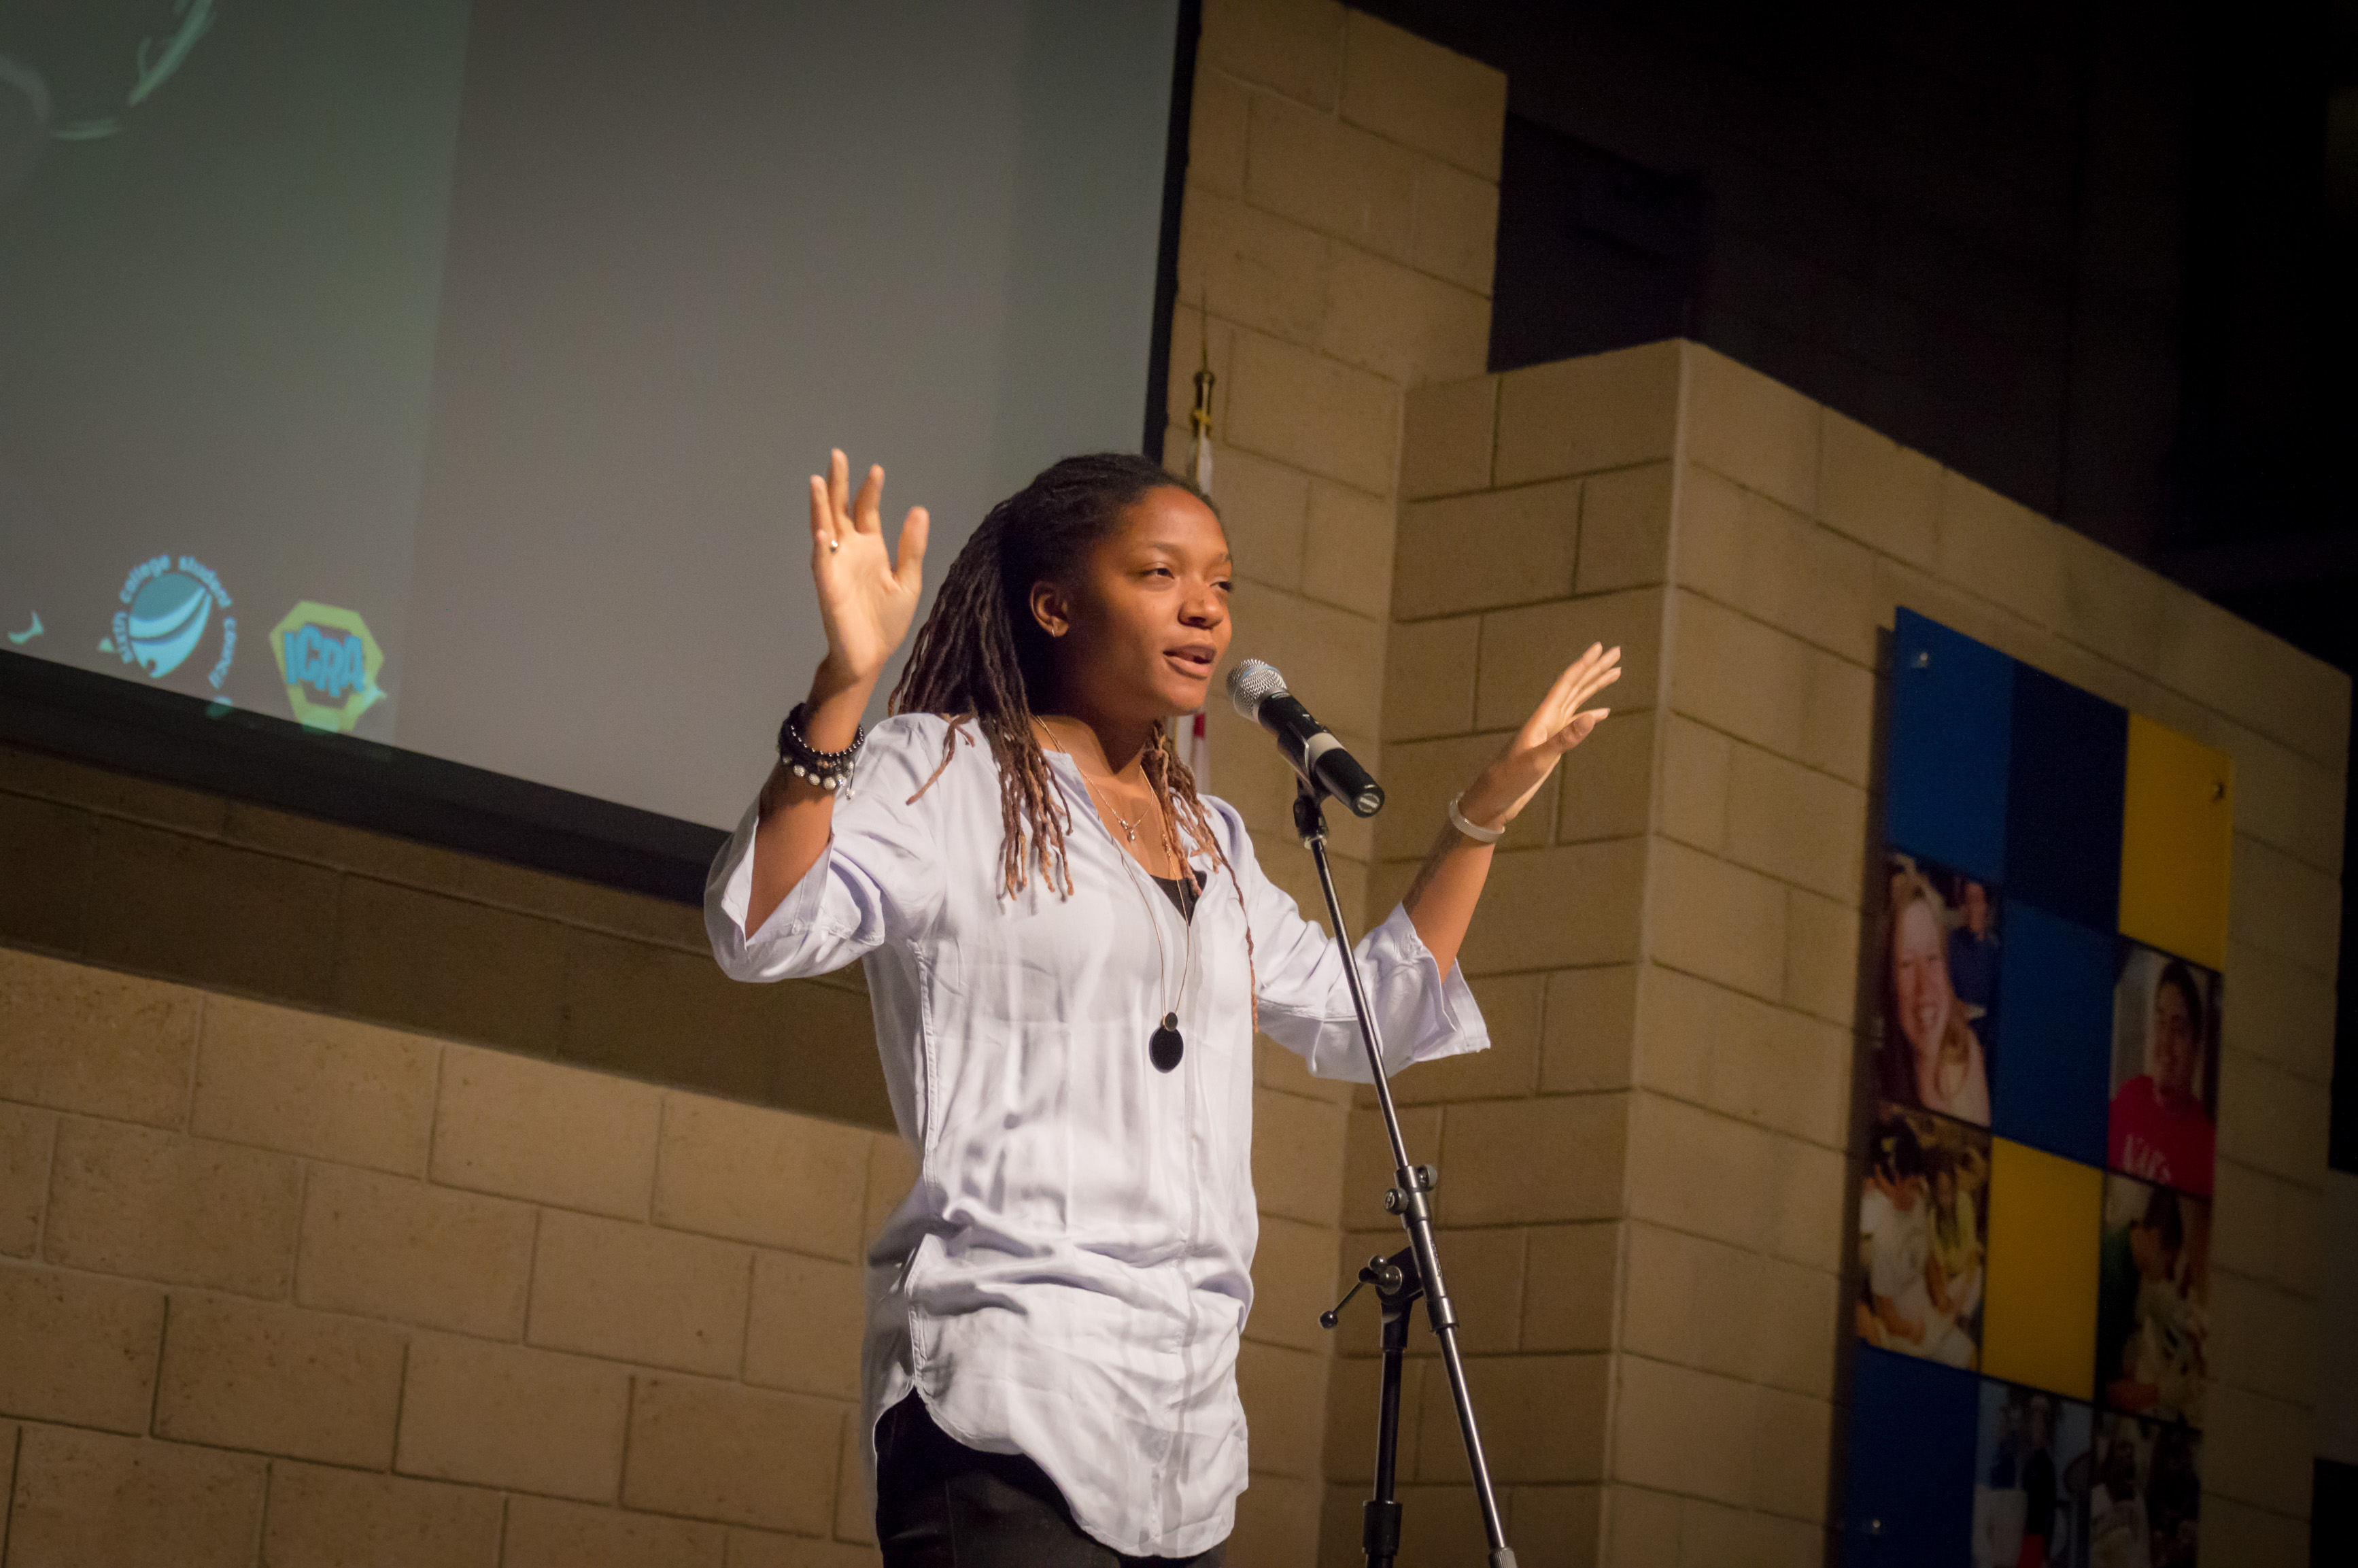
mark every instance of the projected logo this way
{"type": "Point", "coordinates": [330, 663]}
{"type": "Point", "coordinates": [169, 613]}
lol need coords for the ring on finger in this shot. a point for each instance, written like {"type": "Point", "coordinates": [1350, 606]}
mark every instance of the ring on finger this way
{"type": "Point", "coordinates": [833, 546]}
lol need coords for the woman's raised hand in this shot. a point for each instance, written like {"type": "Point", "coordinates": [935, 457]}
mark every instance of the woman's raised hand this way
{"type": "Point", "coordinates": [866, 596]}
{"type": "Point", "coordinates": [1560, 722]}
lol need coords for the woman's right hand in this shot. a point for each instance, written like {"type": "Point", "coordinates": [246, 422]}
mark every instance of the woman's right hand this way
{"type": "Point", "coordinates": [867, 600]}
{"type": "Point", "coordinates": [866, 596]}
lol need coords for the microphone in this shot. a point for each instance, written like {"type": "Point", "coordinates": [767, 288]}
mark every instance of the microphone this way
{"type": "Point", "coordinates": [1259, 694]}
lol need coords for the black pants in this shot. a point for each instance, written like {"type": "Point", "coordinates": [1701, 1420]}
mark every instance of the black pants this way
{"type": "Point", "coordinates": [940, 1504]}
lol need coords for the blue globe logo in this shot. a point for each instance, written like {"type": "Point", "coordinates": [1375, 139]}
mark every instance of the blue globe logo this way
{"type": "Point", "coordinates": [167, 620]}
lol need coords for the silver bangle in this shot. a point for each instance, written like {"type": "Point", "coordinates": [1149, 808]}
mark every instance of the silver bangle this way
{"type": "Point", "coordinates": [1479, 835]}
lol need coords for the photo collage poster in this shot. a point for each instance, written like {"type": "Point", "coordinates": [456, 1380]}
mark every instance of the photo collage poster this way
{"type": "Point", "coordinates": [2034, 1206]}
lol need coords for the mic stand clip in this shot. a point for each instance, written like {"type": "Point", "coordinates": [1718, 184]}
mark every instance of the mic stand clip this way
{"type": "Point", "coordinates": [1412, 1271]}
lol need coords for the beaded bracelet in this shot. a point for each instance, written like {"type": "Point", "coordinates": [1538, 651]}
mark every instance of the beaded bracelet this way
{"type": "Point", "coordinates": [827, 770]}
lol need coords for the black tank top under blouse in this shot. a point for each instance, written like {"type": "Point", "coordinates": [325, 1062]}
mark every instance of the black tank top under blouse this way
{"type": "Point", "coordinates": [1183, 893]}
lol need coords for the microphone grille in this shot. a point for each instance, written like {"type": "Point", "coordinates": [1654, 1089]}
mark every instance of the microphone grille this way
{"type": "Point", "coordinates": [1252, 683]}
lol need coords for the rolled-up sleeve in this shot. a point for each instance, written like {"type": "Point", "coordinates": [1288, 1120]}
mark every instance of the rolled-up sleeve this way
{"type": "Point", "coordinates": [1420, 1013]}
{"type": "Point", "coordinates": [878, 877]}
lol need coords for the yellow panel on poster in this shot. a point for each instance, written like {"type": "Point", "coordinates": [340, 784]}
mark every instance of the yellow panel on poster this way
{"type": "Point", "coordinates": [2039, 1319]}
{"type": "Point", "coordinates": [2177, 821]}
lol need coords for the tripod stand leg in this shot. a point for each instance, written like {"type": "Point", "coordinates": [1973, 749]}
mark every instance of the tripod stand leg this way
{"type": "Point", "coordinates": [1379, 1523]}
{"type": "Point", "coordinates": [1408, 1198]}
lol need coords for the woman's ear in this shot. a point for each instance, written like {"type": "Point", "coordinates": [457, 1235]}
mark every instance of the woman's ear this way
{"type": "Point", "coordinates": [1050, 609]}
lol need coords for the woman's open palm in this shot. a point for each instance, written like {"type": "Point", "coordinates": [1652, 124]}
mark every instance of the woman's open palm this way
{"type": "Point", "coordinates": [1560, 722]}
{"type": "Point", "coordinates": [867, 597]}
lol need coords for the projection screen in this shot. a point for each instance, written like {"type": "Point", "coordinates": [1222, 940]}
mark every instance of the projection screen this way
{"type": "Point", "coordinates": [448, 375]}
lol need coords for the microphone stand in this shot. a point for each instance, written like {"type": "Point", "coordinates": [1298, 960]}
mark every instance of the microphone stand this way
{"type": "Point", "coordinates": [1415, 1270]}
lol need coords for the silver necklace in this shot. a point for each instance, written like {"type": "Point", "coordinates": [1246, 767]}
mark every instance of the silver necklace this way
{"type": "Point", "coordinates": [1166, 1046]}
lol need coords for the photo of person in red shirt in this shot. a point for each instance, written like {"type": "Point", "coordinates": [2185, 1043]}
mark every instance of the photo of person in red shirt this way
{"type": "Point", "coordinates": [2162, 1125]}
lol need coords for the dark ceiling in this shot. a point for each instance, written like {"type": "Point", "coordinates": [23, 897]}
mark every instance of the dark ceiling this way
{"type": "Point", "coordinates": [2101, 257]}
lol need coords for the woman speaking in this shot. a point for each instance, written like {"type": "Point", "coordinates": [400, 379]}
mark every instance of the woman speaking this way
{"type": "Point", "coordinates": [1068, 950]}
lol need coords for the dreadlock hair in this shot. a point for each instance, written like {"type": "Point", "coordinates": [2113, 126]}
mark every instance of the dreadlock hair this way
{"type": "Point", "coordinates": [980, 655]}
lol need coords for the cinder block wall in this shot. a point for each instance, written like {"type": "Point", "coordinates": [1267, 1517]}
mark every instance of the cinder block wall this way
{"type": "Point", "coordinates": [1646, 1187]}
{"type": "Point", "coordinates": [273, 1281]}
{"type": "Point", "coordinates": [1335, 252]}
{"type": "Point", "coordinates": [145, 877]}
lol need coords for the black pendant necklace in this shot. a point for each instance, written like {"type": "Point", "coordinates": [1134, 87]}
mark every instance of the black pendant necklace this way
{"type": "Point", "coordinates": [1165, 1045]}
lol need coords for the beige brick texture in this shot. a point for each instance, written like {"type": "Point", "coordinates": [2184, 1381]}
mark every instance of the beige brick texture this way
{"type": "Point", "coordinates": [804, 1324]}
{"type": "Point", "coordinates": [1590, 1021]}
{"type": "Point", "coordinates": [1530, 1161]}
{"type": "Point", "coordinates": [1430, 668]}
{"type": "Point", "coordinates": [499, 1415]}
{"type": "Point", "coordinates": [1625, 528]}
{"type": "Point", "coordinates": [1294, 46]}
{"type": "Point", "coordinates": [239, 1374]}
{"type": "Point", "coordinates": [88, 1497]}
{"type": "Point", "coordinates": [1347, 549]}
{"type": "Point", "coordinates": [543, 1533]}
{"type": "Point", "coordinates": [77, 1349]}
{"type": "Point", "coordinates": [633, 1292]}
{"type": "Point", "coordinates": [80, 1039]}
{"type": "Point", "coordinates": [751, 1175]}
{"type": "Point", "coordinates": [254, 923]}
{"type": "Point", "coordinates": [1877, 491]}
{"type": "Point", "coordinates": [1277, 1521]}
{"type": "Point", "coordinates": [27, 1138]}
{"type": "Point", "coordinates": [349, 1092]}
{"type": "Point", "coordinates": [1297, 1155]}
{"type": "Point", "coordinates": [1331, 176]}
{"type": "Point", "coordinates": [1524, 650]}
{"type": "Point", "coordinates": [383, 1246]}
{"type": "Point", "coordinates": [1569, 1273]}
{"type": "Point", "coordinates": [739, 1456]}
{"type": "Point", "coordinates": [450, 965]}
{"type": "Point", "coordinates": [1451, 427]}
{"type": "Point", "coordinates": [1423, 96]}
{"type": "Point", "coordinates": [127, 1200]}
{"type": "Point", "coordinates": [1543, 1420]}
{"type": "Point", "coordinates": [765, 1548]}
{"type": "Point", "coordinates": [556, 1135]}
{"type": "Point", "coordinates": [1486, 550]}
{"type": "Point", "coordinates": [1293, 1276]}
{"type": "Point", "coordinates": [320, 1517]}
{"type": "Point", "coordinates": [1756, 431]}
{"type": "Point", "coordinates": [1715, 1047]}
{"type": "Point", "coordinates": [1285, 1394]}
{"type": "Point", "coordinates": [1579, 416]}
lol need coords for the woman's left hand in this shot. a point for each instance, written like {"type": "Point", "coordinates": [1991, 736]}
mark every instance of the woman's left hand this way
{"type": "Point", "coordinates": [1560, 722]}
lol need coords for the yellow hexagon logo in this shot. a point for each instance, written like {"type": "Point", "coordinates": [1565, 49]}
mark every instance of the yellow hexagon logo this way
{"type": "Point", "coordinates": [330, 663]}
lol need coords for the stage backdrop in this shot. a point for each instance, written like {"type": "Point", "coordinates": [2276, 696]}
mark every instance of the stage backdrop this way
{"type": "Point", "coordinates": [447, 374]}
{"type": "Point", "coordinates": [2034, 1217]}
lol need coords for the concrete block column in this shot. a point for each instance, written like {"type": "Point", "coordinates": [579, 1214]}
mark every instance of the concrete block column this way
{"type": "Point", "coordinates": [1335, 254]}
{"type": "Point", "coordinates": [1652, 1173]}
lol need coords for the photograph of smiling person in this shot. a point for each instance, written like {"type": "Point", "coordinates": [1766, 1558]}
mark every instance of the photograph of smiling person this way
{"type": "Point", "coordinates": [2163, 1123]}
{"type": "Point", "coordinates": [1934, 1050]}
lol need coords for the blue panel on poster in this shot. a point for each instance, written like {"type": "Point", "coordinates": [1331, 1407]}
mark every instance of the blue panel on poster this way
{"type": "Point", "coordinates": [2053, 1061]}
{"type": "Point", "coordinates": [1952, 704]}
{"type": "Point", "coordinates": [1910, 1496]}
{"type": "Point", "coordinates": [2067, 772]}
